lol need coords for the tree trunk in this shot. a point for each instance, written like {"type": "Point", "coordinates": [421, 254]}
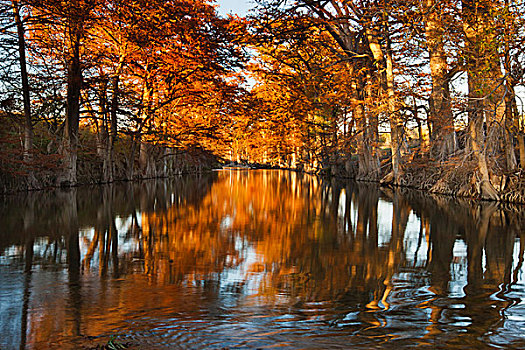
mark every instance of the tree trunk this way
{"type": "Point", "coordinates": [368, 160]}
{"type": "Point", "coordinates": [486, 189]}
{"type": "Point", "coordinates": [396, 122]}
{"type": "Point", "coordinates": [510, 129]}
{"type": "Point", "coordinates": [387, 85]}
{"type": "Point", "coordinates": [443, 141]}
{"type": "Point", "coordinates": [28, 120]}
{"type": "Point", "coordinates": [511, 120]}
{"type": "Point", "coordinates": [104, 146]}
{"type": "Point", "coordinates": [475, 18]}
{"type": "Point", "coordinates": [373, 127]}
{"type": "Point", "coordinates": [113, 131]}
{"type": "Point", "coordinates": [28, 125]}
{"type": "Point", "coordinates": [130, 171]}
{"type": "Point", "coordinates": [521, 145]}
{"type": "Point", "coordinates": [147, 167]}
{"type": "Point", "coordinates": [74, 85]}
{"type": "Point", "coordinates": [113, 124]}
{"type": "Point", "coordinates": [415, 113]}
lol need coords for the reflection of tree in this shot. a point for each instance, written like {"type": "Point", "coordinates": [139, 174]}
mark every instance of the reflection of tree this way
{"type": "Point", "coordinates": [309, 250]}
{"type": "Point", "coordinates": [47, 226]}
{"type": "Point", "coordinates": [70, 223]}
{"type": "Point", "coordinates": [27, 292]}
{"type": "Point", "coordinates": [105, 236]}
{"type": "Point", "coordinates": [489, 233]}
{"type": "Point", "coordinates": [283, 238]}
{"type": "Point", "coordinates": [66, 322]}
{"type": "Point", "coordinates": [304, 242]}
{"type": "Point", "coordinates": [181, 237]}
{"type": "Point", "coordinates": [484, 235]}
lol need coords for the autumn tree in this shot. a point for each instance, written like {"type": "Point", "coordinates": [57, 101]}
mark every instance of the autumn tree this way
{"type": "Point", "coordinates": [129, 65]}
{"type": "Point", "coordinates": [18, 86]}
{"type": "Point", "coordinates": [109, 52]}
{"type": "Point", "coordinates": [361, 34]}
{"type": "Point", "coordinates": [486, 104]}
{"type": "Point", "coordinates": [28, 125]}
{"type": "Point", "coordinates": [63, 24]}
{"type": "Point", "coordinates": [299, 82]}
{"type": "Point", "coordinates": [512, 23]}
{"type": "Point", "coordinates": [181, 51]}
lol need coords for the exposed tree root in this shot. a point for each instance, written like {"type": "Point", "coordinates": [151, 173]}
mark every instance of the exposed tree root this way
{"type": "Point", "coordinates": [388, 179]}
{"type": "Point", "coordinates": [459, 181]}
{"type": "Point", "coordinates": [487, 191]}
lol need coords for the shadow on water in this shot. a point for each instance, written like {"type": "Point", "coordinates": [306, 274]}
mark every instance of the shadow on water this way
{"type": "Point", "coordinates": [254, 259]}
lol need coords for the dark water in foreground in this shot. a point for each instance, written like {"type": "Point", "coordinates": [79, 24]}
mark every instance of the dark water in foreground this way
{"type": "Point", "coordinates": [259, 259]}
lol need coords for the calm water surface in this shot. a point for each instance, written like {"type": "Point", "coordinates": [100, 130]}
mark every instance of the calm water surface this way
{"type": "Point", "coordinates": [259, 259]}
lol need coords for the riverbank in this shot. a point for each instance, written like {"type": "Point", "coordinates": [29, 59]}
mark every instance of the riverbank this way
{"type": "Point", "coordinates": [458, 178]}
{"type": "Point", "coordinates": [98, 161]}
{"type": "Point", "coordinates": [455, 178]}
{"type": "Point", "coordinates": [45, 171]}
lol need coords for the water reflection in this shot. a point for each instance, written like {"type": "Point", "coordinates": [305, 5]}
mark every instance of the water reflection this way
{"type": "Point", "coordinates": [256, 259]}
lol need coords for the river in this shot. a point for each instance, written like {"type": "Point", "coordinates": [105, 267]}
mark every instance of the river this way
{"type": "Point", "coordinates": [257, 259]}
